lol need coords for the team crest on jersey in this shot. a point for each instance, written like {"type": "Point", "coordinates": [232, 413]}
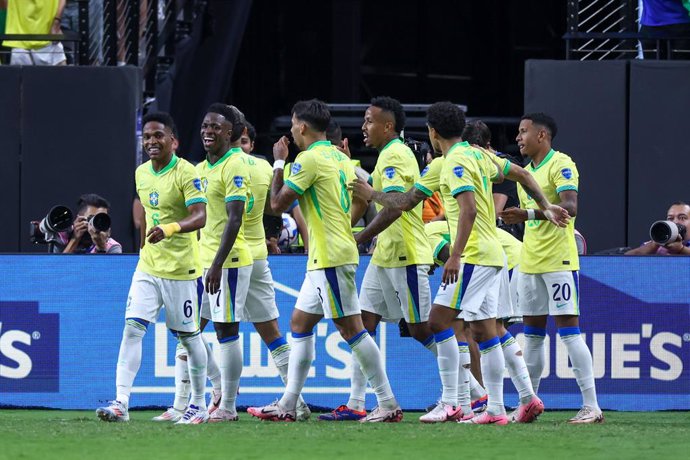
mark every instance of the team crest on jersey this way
{"type": "Point", "coordinates": [389, 172]}
{"type": "Point", "coordinates": [424, 171]}
{"type": "Point", "coordinates": [567, 173]}
{"type": "Point", "coordinates": [153, 198]}
{"type": "Point", "coordinates": [197, 184]}
{"type": "Point", "coordinates": [459, 171]}
{"type": "Point", "coordinates": [239, 180]}
{"type": "Point", "coordinates": [296, 167]}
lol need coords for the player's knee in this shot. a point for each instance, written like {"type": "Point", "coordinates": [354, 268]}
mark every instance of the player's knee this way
{"type": "Point", "coordinates": [225, 330]}
{"type": "Point", "coordinates": [436, 325]}
{"type": "Point", "coordinates": [135, 328]}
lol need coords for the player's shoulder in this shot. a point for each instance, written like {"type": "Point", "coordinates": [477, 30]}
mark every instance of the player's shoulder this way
{"type": "Point", "coordinates": [562, 158]}
{"type": "Point", "coordinates": [143, 169]}
{"type": "Point", "coordinates": [185, 165]}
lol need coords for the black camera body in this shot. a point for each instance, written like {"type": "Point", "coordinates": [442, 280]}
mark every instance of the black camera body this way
{"type": "Point", "coordinates": [59, 219]}
{"type": "Point", "coordinates": [420, 149]}
{"type": "Point", "coordinates": [665, 231]}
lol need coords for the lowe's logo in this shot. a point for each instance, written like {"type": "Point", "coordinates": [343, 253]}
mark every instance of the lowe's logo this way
{"type": "Point", "coordinates": [29, 349]}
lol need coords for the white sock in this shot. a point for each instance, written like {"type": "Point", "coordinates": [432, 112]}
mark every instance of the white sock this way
{"type": "Point", "coordinates": [517, 368]}
{"type": "Point", "coordinates": [182, 386]}
{"type": "Point", "coordinates": [581, 359]}
{"type": "Point", "coordinates": [230, 371]}
{"type": "Point", "coordinates": [493, 365]}
{"type": "Point", "coordinates": [358, 386]}
{"type": "Point", "coordinates": [448, 359]}
{"type": "Point", "coordinates": [535, 354]}
{"type": "Point", "coordinates": [129, 359]}
{"type": "Point", "coordinates": [464, 373]}
{"type": "Point", "coordinates": [301, 355]}
{"type": "Point", "coordinates": [477, 391]}
{"type": "Point", "coordinates": [430, 344]}
{"type": "Point", "coordinates": [196, 360]}
{"type": "Point", "coordinates": [365, 351]}
{"type": "Point", "coordinates": [280, 351]}
{"type": "Point", "coordinates": [212, 370]}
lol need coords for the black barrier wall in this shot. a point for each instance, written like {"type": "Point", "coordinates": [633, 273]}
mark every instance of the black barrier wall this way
{"type": "Point", "coordinates": [67, 131]}
{"type": "Point", "coordinates": [588, 100]}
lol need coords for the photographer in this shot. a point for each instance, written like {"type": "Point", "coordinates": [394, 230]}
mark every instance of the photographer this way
{"type": "Point", "coordinates": [678, 214]}
{"type": "Point", "coordinates": [84, 237]}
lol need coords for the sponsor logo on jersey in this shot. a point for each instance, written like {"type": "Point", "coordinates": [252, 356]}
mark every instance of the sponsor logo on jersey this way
{"type": "Point", "coordinates": [389, 172]}
{"type": "Point", "coordinates": [567, 173]}
{"type": "Point", "coordinates": [459, 171]}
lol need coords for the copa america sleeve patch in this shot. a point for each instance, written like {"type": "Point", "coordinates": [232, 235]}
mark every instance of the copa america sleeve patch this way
{"type": "Point", "coordinates": [389, 172]}
{"type": "Point", "coordinates": [424, 171]}
{"type": "Point", "coordinates": [239, 180]}
{"type": "Point", "coordinates": [197, 184]}
{"type": "Point", "coordinates": [567, 173]}
{"type": "Point", "coordinates": [296, 167]}
{"type": "Point", "coordinates": [459, 171]}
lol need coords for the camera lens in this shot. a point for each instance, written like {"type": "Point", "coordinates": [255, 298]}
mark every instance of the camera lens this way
{"type": "Point", "coordinates": [101, 222]}
{"type": "Point", "coordinates": [664, 232]}
{"type": "Point", "coordinates": [59, 219]}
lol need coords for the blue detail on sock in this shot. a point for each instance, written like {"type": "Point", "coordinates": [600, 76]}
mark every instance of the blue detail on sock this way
{"type": "Point", "coordinates": [357, 337]}
{"type": "Point", "coordinates": [231, 338]}
{"type": "Point", "coordinates": [566, 331]}
{"type": "Point", "coordinates": [279, 342]}
{"type": "Point", "coordinates": [299, 335]}
{"type": "Point", "coordinates": [428, 340]}
{"type": "Point", "coordinates": [143, 322]}
{"type": "Point", "coordinates": [444, 335]}
{"type": "Point", "coordinates": [531, 330]}
{"type": "Point", "coordinates": [489, 343]}
{"type": "Point", "coordinates": [506, 337]}
{"type": "Point", "coordinates": [463, 344]}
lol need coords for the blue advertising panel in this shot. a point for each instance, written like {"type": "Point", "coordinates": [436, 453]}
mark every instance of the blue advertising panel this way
{"type": "Point", "coordinates": [61, 320]}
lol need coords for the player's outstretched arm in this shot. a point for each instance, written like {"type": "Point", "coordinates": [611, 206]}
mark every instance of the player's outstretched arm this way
{"type": "Point", "coordinates": [468, 214]}
{"type": "Point", "coordinates": [402, 201]}
{"type": "Point", "coordinates": [379, 223]}
{"type": "Point", "coordinates": [193, 222]}
{"type": "Point", "coordinates": [558, 215]}
{"type": "Point", "coordinates": [235, 210]}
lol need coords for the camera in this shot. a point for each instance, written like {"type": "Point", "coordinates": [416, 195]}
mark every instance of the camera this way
{"type": "Point", "coordinates": [420, 150]}
{"type": "Point", "coordinates": [664, 231]}
{"type": "Point", "coordinates": [100, 222]}
{"type": "Point", "coordinates": [59, 219]}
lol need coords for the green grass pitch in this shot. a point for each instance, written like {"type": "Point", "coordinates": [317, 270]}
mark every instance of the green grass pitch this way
{"type": "Point", "coordinates": [29, 434]}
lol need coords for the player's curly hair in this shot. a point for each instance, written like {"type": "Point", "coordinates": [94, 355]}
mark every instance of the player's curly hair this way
{"type": "Point", "coordinates": [232, 115]}
{"type": "Point", "coordinates": [314, 112]}
{"type": "Point", "coordinates": [163, 118]}
{"type": "Point", "coordinates": [446, 118]}
{"type": "Point", "coordinates": [251, 131]}
{"type": "Point", "coordinates": [388, 104]}
{"type": "Point", "coordinates": [543, 120]}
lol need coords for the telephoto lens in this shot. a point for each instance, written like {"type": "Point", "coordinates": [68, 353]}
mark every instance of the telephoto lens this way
{"type": "Point", "coordinates": [100, 222]}
{"type": "Point", "coordinates": [59, 219]}
{"type": "Point", "coordinates": [664, 232]}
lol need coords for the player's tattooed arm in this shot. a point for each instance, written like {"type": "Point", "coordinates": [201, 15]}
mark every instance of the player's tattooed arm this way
{"type": "Point", "coordinates": [382, 221]}
{"type": "Point", "coordinates": [557, 215]}
{"type": "Point", "coordinates": [402, 201]}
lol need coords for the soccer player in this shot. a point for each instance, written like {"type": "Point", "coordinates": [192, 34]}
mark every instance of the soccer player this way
{"type": "Point", "coordinates": [470, 287]}
{"type": "Point", "coordinates": [175, 207]}
{"type": "Point", "coordinates": [319, 178]}
{"type": "Point", "coordinates": [396, 282]}
{"type": "Point", "coordinates": [549, 282]}
{"type": "Point", "coordinates": [225, 254]}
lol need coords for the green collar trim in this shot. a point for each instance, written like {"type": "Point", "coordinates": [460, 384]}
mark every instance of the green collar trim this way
{"type": "Point", "coordinates": [457, 145]}
{"type": "Point", "coordinates": [227, 155]}
{"type": "Point", "coordinates": [171, 164]}
{"type": "Point", "coordinates": [544, 161]}
{"type": "Point", "coordinates": [393, 141]}
{"type": "Point", "coordinates": [318, 143]}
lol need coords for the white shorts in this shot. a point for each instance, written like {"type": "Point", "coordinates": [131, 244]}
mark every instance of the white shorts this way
{"type": "Point", "coordinates": [51, 54]}
{"type": "Point", "coordinates": [475, 293]}
{"type": "Point", "coordinates": [260, 305]}
{"type": "Point", "coordinates": [148, 294]}
{"type": "Point", "coordinates": [224, 305]}
{"type": "Point", "coordinates": [556, 293]}
{"type": "Point", "coordinates": [505, 299]}
{"type": "Point", "coordinates": [394, 293]}
{"type": "Point", "coordinates": [330, 292]}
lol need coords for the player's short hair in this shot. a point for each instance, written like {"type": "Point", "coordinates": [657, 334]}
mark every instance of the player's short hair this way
{"type": "Point", "coordinates": [251, 131]}
{"type": "Point", "coordinates": [163, 118]}
{"type": "Point", "coordinates": [446, 118]}
{"type": "Point", "coordinates": [476, 132]}
{"type": "Point", "coordinates": [393, 106]}
{"type": "Point", "coordinates": [679, 203]}
{"type": "Point", "coordinates": [232, 115]}
{"type": "Point", "coordinates": [314, 112]}
{"type": "Point", "coordinates": [543, 120]}
{"type": "Point", "coordinates": [91, 199]}
{"type": "Point", "coordinates": [334, 133]}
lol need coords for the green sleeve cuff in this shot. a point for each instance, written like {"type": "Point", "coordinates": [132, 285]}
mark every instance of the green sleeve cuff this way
{"type": "Point", "coordinates": [566, 187]}
{"type": "Point", "coordinates": [506, 168]}
{"type": "Point", "coordinates": [423, 189]}
{"type": "Point", "coordinates": [188, 203]}
{"type": "Point", "coordinates": [438, 248]}
{"type": "Point", "coordinates": [464, 188]}
{"type": "Point", "coordinates": [235, 198]}
{"type": "Point", "coordinates": [294, 187]}
{"type": "Point", "coordinates": [394, 188]}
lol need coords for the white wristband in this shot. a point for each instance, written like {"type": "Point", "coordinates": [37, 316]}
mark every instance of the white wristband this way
{"type": "Point", "coordinates": [278, 164]}
{"type": "Point", "coordinates": [531, 214]}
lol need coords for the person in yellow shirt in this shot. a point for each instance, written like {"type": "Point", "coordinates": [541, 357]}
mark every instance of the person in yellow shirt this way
{"type": "Point", "coordinates": [549, 280]}
{"type": "Point", "coordinates": [35, 17]}
{"type": "Point", "coordinates": [225, 254]}
{"type": "Point", "coordinates": [175, 208]}
{"type": "Point", "coordinates": [318, 179]}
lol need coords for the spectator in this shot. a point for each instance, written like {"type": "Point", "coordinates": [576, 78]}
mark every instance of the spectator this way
{"type": "Point", "coordinates": [677, 213]}
{"type": "Point", "coordinates": [70, 22]}
{"type": "Point", "coordinates": [40, 17]}
{"type": "Point", "coordinates": [83, 238]}
{"type": "Point", "coordinates": [665, 19]}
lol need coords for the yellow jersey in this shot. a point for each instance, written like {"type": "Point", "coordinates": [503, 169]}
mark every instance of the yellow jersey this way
{"type": "Point", "coordinates": [439, 237]}
{"type": "Point", "coordinates": [261, 175]}
{"type": "Point", "coordinates": [29, 17]}
{"type": "Point", "coordinates": [511, 246]}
